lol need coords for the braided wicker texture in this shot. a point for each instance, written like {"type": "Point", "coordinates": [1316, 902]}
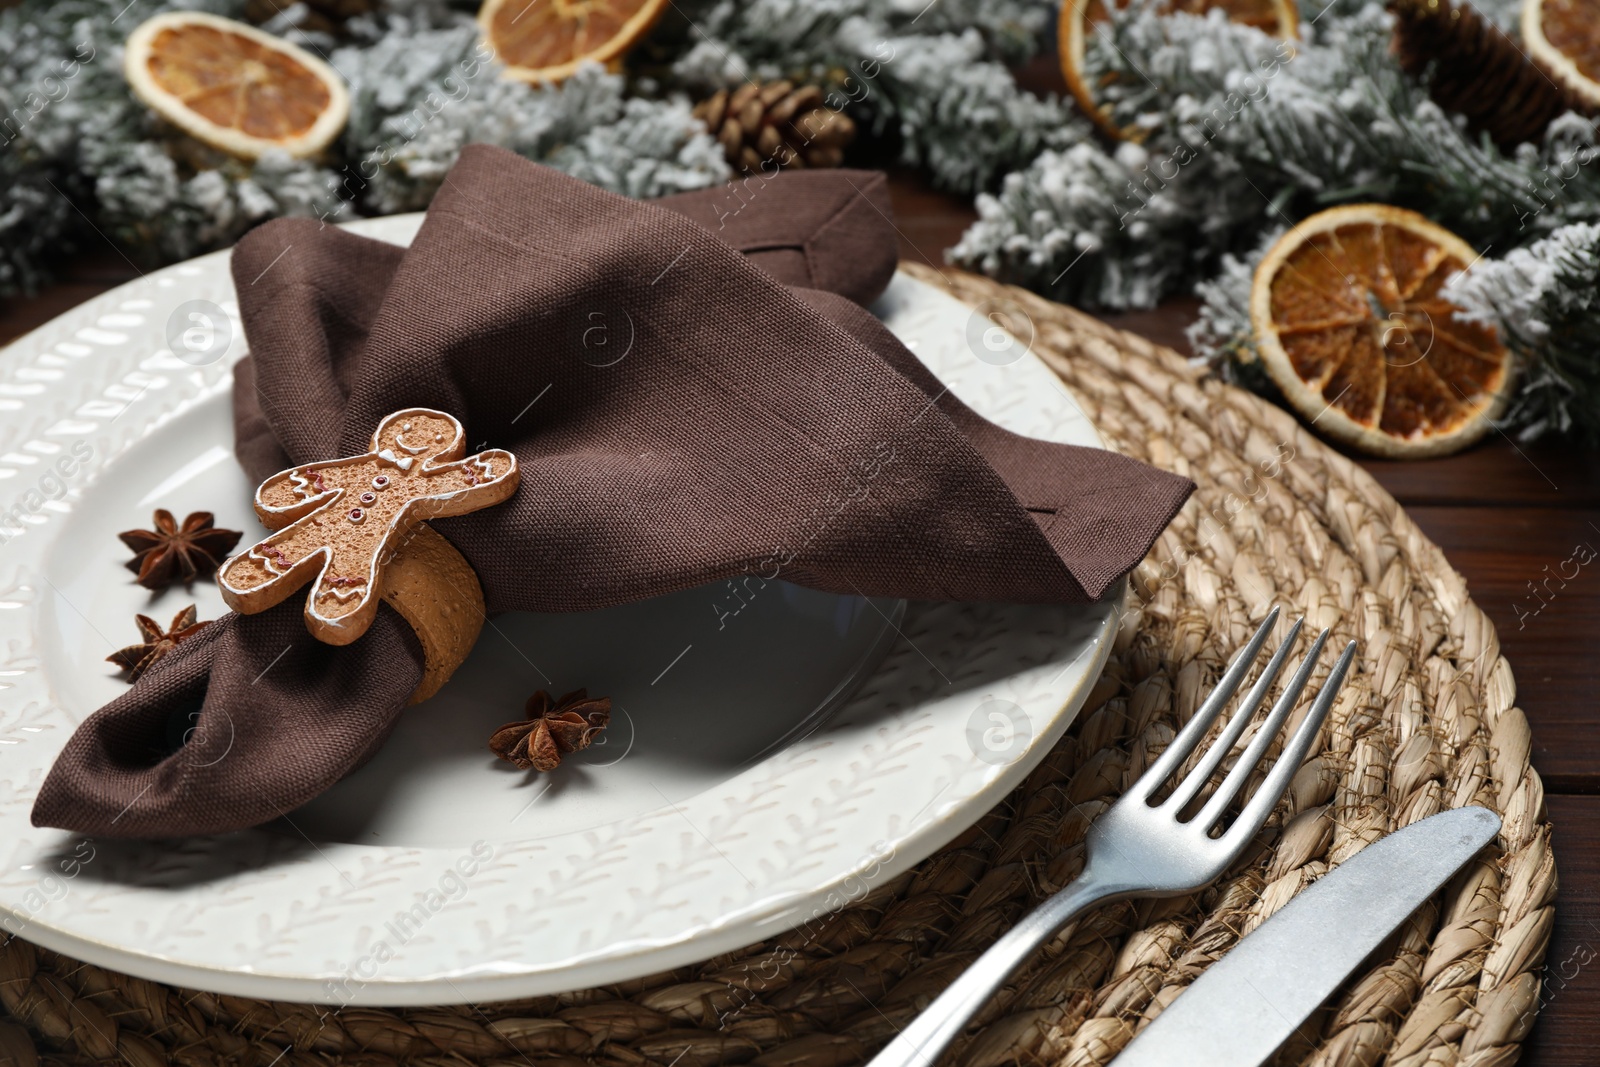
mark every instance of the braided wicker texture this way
{"type": "Point", "coordinates": [1428, 723]}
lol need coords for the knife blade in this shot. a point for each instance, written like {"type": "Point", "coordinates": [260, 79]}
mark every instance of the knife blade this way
{"type": "Point", "coordinates": [1246, 1004]}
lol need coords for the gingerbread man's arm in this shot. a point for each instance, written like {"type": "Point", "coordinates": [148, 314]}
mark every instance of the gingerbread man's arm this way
{"type": "Point", "coordinates": [465, 485]}
{"type": "Point", "coordinates": [272, 569]}
{"type": "Point", "coordinates": [299, 491]}
{"type": "Point", "coordinates": [341, 571]}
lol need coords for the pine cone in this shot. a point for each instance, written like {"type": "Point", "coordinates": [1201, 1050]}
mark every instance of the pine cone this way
{"type": "Point", "coordinates": [776, 123]}
{"type": "Point", "coordinates": [1476, 70]}
{"type": "Point", "coordinates": [326, 16]}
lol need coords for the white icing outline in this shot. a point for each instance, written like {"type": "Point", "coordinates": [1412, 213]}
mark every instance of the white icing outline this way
{"type": "Point", "coordinates": [341, 592]}
{"type": "Point", "coordinates": [270, 563]}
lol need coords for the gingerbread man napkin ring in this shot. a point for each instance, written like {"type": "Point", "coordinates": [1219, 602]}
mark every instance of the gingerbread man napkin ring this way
{"type": "Point", "coordinates": [354, 530]}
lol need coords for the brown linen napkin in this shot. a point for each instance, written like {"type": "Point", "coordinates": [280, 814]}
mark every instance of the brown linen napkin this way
{"type": "Point", "coordinates": [746, 427]}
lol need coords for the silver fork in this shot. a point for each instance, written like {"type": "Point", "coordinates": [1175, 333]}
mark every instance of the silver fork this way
{"type": "Point", "coordinates": [1140, 849]}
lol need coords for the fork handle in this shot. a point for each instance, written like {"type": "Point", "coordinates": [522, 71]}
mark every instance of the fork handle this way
{"type": "Point", "coordinates": [919, 1044]}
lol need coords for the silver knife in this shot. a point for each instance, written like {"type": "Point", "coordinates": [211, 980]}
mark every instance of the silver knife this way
{"type": "Point", "coordinates": [1246, 1004]}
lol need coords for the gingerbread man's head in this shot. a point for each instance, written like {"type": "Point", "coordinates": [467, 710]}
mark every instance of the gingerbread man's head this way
{"type": "Point", "coordinates": [421, 435]}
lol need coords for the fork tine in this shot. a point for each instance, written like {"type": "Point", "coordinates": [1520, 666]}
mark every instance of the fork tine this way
{"type": "Point", "coordinates": [1205, 715]}
{"type": "Point", "coordinates": [1272, 788]}
{"type": "Point", "coordinates": [1212, 812]}
{"type": "Point", "coordinates": [1196, 779]}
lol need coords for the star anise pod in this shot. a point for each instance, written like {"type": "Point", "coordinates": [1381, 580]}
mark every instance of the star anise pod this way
{"type": "Point", "coordinates": [552, 729]}
{"type": "Point", "coordinates": [172, 553]}
{"type": "Point", "coordinates": [137, 659]}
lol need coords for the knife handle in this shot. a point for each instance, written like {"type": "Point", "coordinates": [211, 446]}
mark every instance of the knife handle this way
{"type": "Point", "coordinates": [920, 1043]}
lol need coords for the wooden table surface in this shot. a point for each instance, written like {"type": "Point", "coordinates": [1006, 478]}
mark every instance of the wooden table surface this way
{"type": "Point", "coordinates": [1507, 515]}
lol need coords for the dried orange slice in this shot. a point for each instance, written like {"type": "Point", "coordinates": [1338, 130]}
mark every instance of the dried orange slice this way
{"type": "Point", "coordinates": [1350, 323]}
{"type": "Point", "coordinates": [546, 40]}
{"type": "Point", "coordinates": [235, 87]}
{"type": "Point", "coordinates": [1563, 39]}
{"type": "Point", "coordinates": [1276, 18]}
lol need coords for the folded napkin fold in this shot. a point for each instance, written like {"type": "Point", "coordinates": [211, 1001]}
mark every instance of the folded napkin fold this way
{"type": "Point", "coordinates": [692, 391]}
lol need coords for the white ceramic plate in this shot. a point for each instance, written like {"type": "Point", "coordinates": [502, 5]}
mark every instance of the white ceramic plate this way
{"type": "Point", "coordinates": [775, 752]}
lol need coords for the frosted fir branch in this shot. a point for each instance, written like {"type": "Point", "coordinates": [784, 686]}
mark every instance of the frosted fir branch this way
{"type": "Point", "coordinates": [1515, 292]}
{"type": "Point", "coordinates": [1342, 122]}
{"type": "Point", "coordinates": [1153, 71]}
{"type": "Point", "coordinates": [422, 88]}
{"type": "Point", "coordinates": [962, 116]}
{"type": "Point", "coordinates": [293, 24]}
{"type": "Point", "coordinates": [1545, 301]}
{"type": "Point", "coordinates": [417, 15]}
{"type": "Point", "coordinates": [154, 194]}
{"type": "Point", "coordinates": [651, 149]}
{"type": "Point", "coordinates": [159, 194]}
{"type": "Point", "coordinates": [932, 76]}
{"type": "Point", "coordinates": [1222, 337]}
{"type": "Point", "coordinates": [145, 201]}
{"type": "Point", "coordinates": [1014, 30]}
{"type": "Point", "coordinates": [1126, 227]}
{"type": "Point", "coordinates": [34, 221]}
{"type": "Point", "coordinates": [419, 97]}
{"type": "Point", "coordinates": [1072, 227]}
{"type": "Point", "coordinates": [42, 60]}
{"type": "Point", "coordinates": [778, 38]}
{"type": "Point", "coordinates": [1238, 137]}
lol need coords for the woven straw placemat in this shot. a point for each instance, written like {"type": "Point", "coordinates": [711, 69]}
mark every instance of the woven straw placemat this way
{"type": "Point", "coordinates": [1429, 722]}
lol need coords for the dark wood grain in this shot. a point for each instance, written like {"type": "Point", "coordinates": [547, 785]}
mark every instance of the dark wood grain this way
{"type": "Point", "coordinates": [1567, 1033]}
{"type": "Point", "coordinates": [927, 220]}
{"type": "Point", "coordinates": [1506, 515]}
{"type": "Point", "coordinates": [1504, 473]}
